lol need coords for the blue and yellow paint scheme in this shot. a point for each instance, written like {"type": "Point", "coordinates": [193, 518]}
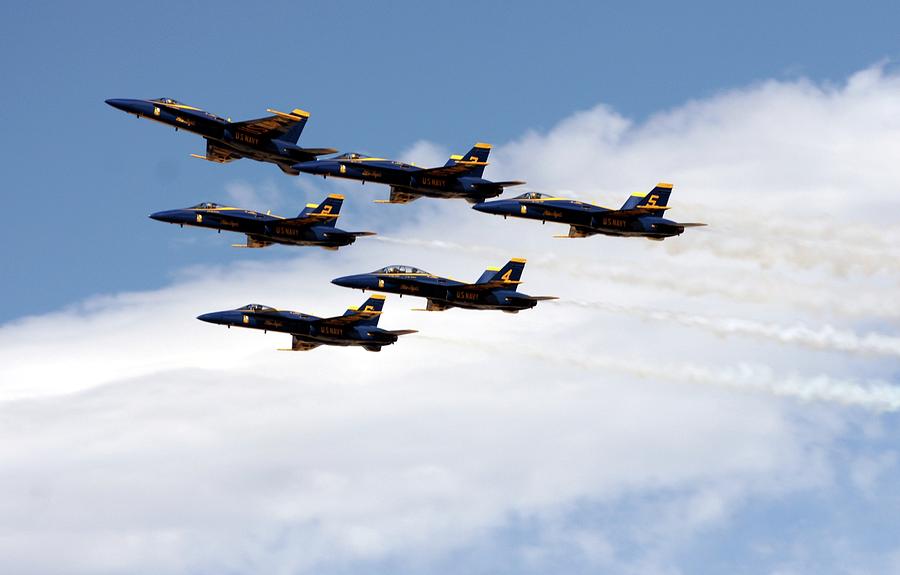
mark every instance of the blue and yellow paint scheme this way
{"type": "Point", "coordinates": [314, 226]}
{"type": "Point", "coordinates": [271, 139]}
{"type": "Point", "coordinates": [460, 177]}
{"type": "Point", "coordinates": [358, 326]}
{"type": "Point", "coordinates": [496, 289]}
{"type": "Point", "coordinates": [640, 216]}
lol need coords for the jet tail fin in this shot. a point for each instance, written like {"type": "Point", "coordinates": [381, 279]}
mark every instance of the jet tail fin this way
{"type": "Point", "coordinates": [510, 274]}
{"type": "Point", "coordinates": [371, 306]}
{"type": "Point", "coordinates": [656, 201]}
{"type": "Point", "coordinates": [327, 211]}
{"type": "Point", "coordinates": [476, 158]}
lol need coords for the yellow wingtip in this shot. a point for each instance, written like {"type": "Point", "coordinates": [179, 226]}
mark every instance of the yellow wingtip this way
{"type": "Point", "coordinates": [483, 146]}
{"type": "Point", "coordinates": [295, 113]}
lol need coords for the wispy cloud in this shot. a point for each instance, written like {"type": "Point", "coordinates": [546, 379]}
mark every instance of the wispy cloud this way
{"type": "Point", "coordinates": [713, 368]}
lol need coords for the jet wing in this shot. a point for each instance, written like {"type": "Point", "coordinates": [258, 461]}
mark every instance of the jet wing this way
{"type": "Point", "coordinates": [350, 318]}
{"type": "Point", "coordinates": [299, 345]}
{"type": "Point", "coordinates": [457, 169]}
{"type": "Point", "coordinates": [308, 220]}
{"type": "Point", "coordinates": [486, 286]}
{"type": "Point", "coordinates": [637, 212]}
{"type": "Point", "coordinates": [217, 154]}
{"type": "Point", "coordinates": [399, 196]}
{"type": "Point", "coordinates": [579, 232]}
{"type": "Point", "coordinates": [272, 126]}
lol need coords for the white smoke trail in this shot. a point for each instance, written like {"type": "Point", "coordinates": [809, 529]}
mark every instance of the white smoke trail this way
{"type": "Point", "coordinates": [759, 237]}
{"type": "Point", "coordinates": [875, 395]}
{"type": "Point", "coordinates": [826, 337]}
{"type": "Point", "coordinates": [738, 286]}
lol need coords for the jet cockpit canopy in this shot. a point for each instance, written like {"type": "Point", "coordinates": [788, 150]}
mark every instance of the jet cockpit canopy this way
{"type": "Point", "coordinates": [532, 196]}
{"type": "Point", "coordinates": [256, 307]}
{"type": "Point", "coordinates": [401, 270]}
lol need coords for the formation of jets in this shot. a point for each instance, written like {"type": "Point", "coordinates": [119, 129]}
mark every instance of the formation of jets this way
{"type": "Point", "coordinates": [274, 139]}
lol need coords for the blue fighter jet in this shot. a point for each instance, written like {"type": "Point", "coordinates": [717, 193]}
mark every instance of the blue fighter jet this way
{"type": "Point", "coordinates": [495, 289]}
{"type": "Point", "coordinates": [314, 226]}
{"type": "Point", "coordinates": [358, 326]}
{"type": "Point", "coordinates": [272, 139]}
{"type": "Point", "coordinates": [460, 177]}
{"type": "Point", "coordinates": [641, 215]}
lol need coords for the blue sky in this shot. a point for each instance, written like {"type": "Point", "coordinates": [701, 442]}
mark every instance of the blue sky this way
{"type": "Point", "coordinates": [376, 77]}
{"type": "Point", "coordinates": [723, 401]}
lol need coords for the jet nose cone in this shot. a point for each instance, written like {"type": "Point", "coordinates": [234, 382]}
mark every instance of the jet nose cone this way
{"type": "Point", "coordinates": [355, 281]}
{"type": "Point", "coordinates": [119, 103]}
{"type": "Point", "coordinates": [214, 317]}
{"type": "Point", "coordinates": [160, 216]}
{"type": "Point", "coordinates": [342, 281]}
{"type": "Point", "coordinates": [169, 216]}
{"type": "Point", "coordinates": [490, 207]}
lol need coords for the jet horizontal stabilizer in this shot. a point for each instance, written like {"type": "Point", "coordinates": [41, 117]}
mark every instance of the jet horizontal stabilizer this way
{"type": "Point", "coordinates": [507, 184]}
{"type": "Point", "coordinates": [538, 297]}
{"type": "Point", "coordinates": [394, 332]}
{"type": "Point", "coordinates": [318, 151]}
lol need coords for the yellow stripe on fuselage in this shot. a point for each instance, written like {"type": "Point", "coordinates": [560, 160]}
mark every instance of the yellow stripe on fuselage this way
{"type": "Point", "coordinates": [577, 202]}
{"type": "Point", "coordinates": [178, 106]}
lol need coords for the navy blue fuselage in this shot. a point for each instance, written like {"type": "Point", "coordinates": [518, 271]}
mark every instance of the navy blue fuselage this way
{"type": "Point", "coordinates": [357, 327]}
{"type": "Point", "coordinates": [461, 177]}
{"type": "Point", "coordinates": [272, 139]}
{"type": "Point", "coordinates": [640, 216]}
{"type": "Point", "coordinates": [496, 289]}
{"type": "Point", "coordinates": [314, 226]}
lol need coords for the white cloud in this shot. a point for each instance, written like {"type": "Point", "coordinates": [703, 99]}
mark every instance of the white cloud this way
{"type": "Point", "coordinates": [139, 439]}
